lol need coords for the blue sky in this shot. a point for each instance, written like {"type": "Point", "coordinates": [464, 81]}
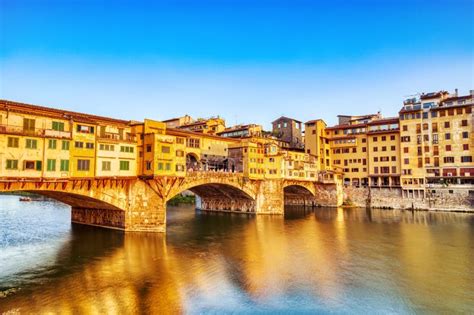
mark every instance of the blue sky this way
{"type": "Point", "coordinates": [248, 61]}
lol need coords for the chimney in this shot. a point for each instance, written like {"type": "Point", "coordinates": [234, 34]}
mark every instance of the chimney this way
{"type": "Point", "coordinates": [456, 92]}
{"type": "Point", "coordinates": [471, 92]}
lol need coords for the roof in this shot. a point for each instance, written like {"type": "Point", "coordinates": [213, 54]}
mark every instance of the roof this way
{"type": "Point", "coordinates": [285, 118]}
{"type": "Point", "coordinates": [457, 98]}
{"type": "Point", "coordinates": [314, 121]}
{"type": "Point", "coordinates": [430, 95]}
{"type": "Point", "coordinates": [345, 126]}
{"type": "Point", "coordinates": [382, 121]}
{"type": "Point", "coordinates": [59, 113]}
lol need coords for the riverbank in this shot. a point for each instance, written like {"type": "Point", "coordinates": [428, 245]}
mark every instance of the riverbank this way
{"type": "Point", "coordinates": [182, 200]}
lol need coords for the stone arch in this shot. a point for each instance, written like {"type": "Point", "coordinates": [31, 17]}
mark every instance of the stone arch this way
{"type": "Point", "coordinates": [126, 204]}
{"type": "Point", "coordinates": [299, 193]}
{"type": "Point", "coordinates": [218, 191]}
{"type": "Point", "coordinates": [198, 182]}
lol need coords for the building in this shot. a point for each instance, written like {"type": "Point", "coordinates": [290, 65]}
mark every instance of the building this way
{"type": "Point", "coordinates": [436, 142]}
{"type": "Point", "coordinates": [178, 121]}
{"type": "Point", "coordinates": [50, 143]}
{"type": "Point", "coordinates": [211, 125]}
{"type": "Point", "coordinates": [241, 131]}
{"type": "Point", "coordinates": [317, 143]}
{"type": "Point", "coordinates": [288, 130]}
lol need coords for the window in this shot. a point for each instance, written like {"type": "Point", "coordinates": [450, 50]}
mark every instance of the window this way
{"type": "Point", "coordinates": [464, 123]}
{"type": "Point", "coordinates": [51, 165]}
{"type": "Point", "coordinates": [465, 146]}
{"type": "Point", "coordinates": [448, 147]}
{"type": "Point", "coordinates": [52, 144]}
{"type": "Point", "coordinates": [160, 166]}
{"type": "Point", "coordinates": [405, 150]}
{"type": "Point", "coordinates": [434, 127]}
{"type": "Point", "coordinates": [29, 165]}
{"type": "Point", "coordinates": [376, 159]}
{"type": "Point", "coordinates": [393, 148]}
{"type": "Point", "coordinates": [58, 126]}
{"type": "Point", "coordinates": [436, 161]}
{"type": "Point", "coordinates": [384, 138]}
{"type": "Point", "coordinates": [406, 161]}
{"type": "Point", "coordinates": [405, 128]}
{"type": "Point", "coordinates": [466, 159]}
{"type": "Point", "coordinates": [364, 149]}
{"type": "Point", "coordinates": [12, 164]}
{"type": "Point", "coordinates": [83, 165]}
{"type": "Point", "coordinates": [446, 124]}
{"type": "Point", "coordinates": [427, 149]}
{"type": "Point", "coordinates": [148, 148]}
{"type": "Point", "coordinates": [148, 165]}
{"type": "Point", "coordinates": [448, 159]}
{"type": "Point", "coordinates": [168, 166]}
{"type": "Point", "coordinates": [106, 165]}
{"type": "Point", "coordinates": [64, 167]}
{"type": "Point", "coordinates": [127, 149]}
{"type": "Point", "coordinates": [384, 149]}
{"type": "Point", "coordinates": [193, 143]}
{"type": "Point", "coordinates": [468, 110]}
{"type": "Point", "coordinates": [79, 144]}
{"type": "Point", "coordinates": [354, 150]}
{"type": "Point", "coordinates": [427, 160]}
{"type": "Point", "coordinates": [124, 165]}
{"type": "Point", "coordinates": [394, 169]}
{"type": "Point", "coordinates": [375, 149]}
{"type": "Point", "coordinates": [435, 138]}
{"type": "Point", "coordinates": [13, 142]}
{"type": "Point", "coordinates": [392, 137]}
{"type": "Point", "coordinates": [165, 149]}
{"type": "Point", "coordinates": [394, 158]}
{"type": "Point", "coordinates": [31, 143]}
{"type": "Point", "coordinates": [84, 129]}
{"type": "Point", "coordinates": [65, 145]}
{"type": "Point", "coordinates": [405, 139]}
{"type": "Point", "coordinates": [364, 140]}
{"type": "Point", "coordinates": [28, 124]}
{"type": "Point", "coordinates": [465, 135]}
{"type": "Point", "coordinates": [435, 150]}
{"type": "Point", "coordinates": [447, 136]}
{"type": "Point", "coordinates": [179, 153]}
{"type": "Point", "coordinates": [419, 151]}
{"type": "Point", "coordinates": [375, 139]}
{"type": "Point", "coordinates": [90, 145]}
{"type": "Point", "coordinates": [420, 162]}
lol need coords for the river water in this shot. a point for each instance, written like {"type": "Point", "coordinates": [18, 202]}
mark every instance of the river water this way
{"type": "Point", "coordinates": [309, 261]}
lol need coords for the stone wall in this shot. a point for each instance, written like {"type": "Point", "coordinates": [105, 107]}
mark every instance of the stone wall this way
{"type": "Point", "coordinates": [449, 198]}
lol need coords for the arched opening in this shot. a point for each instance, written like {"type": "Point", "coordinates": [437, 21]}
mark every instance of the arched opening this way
{"type": "Point", "coordinates": [192, 162]}
{"type": "Point", "coordinates": [221, 197]}
{"type": "Point", "coordinates": [296, 195]}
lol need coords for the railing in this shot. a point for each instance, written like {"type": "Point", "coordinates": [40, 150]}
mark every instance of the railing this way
{"type": "Point", "coordinates": [36, 132]}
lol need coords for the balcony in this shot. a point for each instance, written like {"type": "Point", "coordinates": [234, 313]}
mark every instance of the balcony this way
{"type": "Point", "coordinates": [36, 132]}
{"type": "Point", "coordinates": [117, 137]}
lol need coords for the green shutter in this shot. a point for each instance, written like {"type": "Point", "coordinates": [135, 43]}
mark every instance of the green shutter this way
{"type": "Point", "coordinates": [64, 165]}
{"type": "Point", "coordinates": [51, 165]}
{"type": "Point", "coordinates": [38, 165]}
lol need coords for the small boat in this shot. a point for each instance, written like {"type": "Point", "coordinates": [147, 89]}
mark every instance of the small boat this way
{"type": "Point", "coordinates": [25, 199]}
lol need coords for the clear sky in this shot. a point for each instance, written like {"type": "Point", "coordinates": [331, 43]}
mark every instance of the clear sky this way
{"type": "Point", "coordinates": [247, 61]}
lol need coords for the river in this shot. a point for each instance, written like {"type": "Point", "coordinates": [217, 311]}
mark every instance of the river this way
{"type": "Point", "coordinates": [321, 260]}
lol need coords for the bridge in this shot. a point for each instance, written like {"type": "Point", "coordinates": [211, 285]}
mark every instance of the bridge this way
{"type": "Point", "coordinates": [120, 174]}
{"type": "Point", "coordinates": [139, 204]}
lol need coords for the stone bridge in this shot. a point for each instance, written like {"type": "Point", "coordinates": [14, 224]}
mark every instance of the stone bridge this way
{"type": "Point", "coordinates": [139, 204]}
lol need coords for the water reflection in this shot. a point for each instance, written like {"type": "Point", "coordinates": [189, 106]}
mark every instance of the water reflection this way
{"type": "Point", "coordinates": [326, 260]}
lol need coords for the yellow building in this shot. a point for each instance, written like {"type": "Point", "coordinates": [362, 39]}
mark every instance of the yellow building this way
{"type": "Point", "coordinates": [44, 142]}
{"type": "Point", "coordinates": [436, 142]}
{"type": "Point", "coordinates": [317, 143]}
{"type": "Point", "coordinates": [211, 125]}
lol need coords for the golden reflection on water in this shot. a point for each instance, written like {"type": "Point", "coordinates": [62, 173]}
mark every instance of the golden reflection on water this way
{"type": "Point", "coordinates": [404, 258]}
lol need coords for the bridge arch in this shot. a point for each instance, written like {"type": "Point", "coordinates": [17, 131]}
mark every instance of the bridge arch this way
{"type": "Point", "coordinates": [217, 191]}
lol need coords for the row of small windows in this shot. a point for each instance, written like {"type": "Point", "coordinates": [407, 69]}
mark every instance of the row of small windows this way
{"type": "Point", "coordinates": [38, 165]}
{"type": "Point", "coordinates": [14, 142]}
{"type": "Point", "coordinates": [442, 113]}
{"type": "Point", "coordinates": [446, 159]}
